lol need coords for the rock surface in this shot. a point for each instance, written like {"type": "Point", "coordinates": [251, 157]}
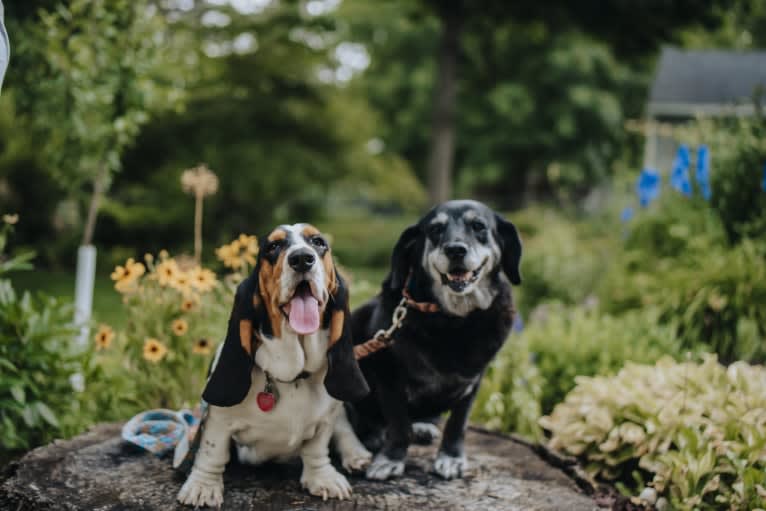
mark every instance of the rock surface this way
{"type": "Point", "coordinates": [98, 471]}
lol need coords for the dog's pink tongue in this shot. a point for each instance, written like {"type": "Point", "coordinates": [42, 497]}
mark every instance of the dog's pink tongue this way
{"type": "Point", "coordinates": [304, 314]}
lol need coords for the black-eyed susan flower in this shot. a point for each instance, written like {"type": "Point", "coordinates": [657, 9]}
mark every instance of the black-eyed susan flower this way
{"type": "Point", "coordinates": [202, 279]}
{"type": "Point", "coordinates": [103, 337]}
{"type": "Point", "coordinates": [180, 327]}
{"type": "Point", "coordinates": [187, 304]}
{"type": "Point", "coordinates": [125, 276]}
{"type": "Point", "coordinates": [154, 350]}
{"type": "Point", "coordinates": [202, 347]}
{"type": "Point", "coordinates": [167, 271]}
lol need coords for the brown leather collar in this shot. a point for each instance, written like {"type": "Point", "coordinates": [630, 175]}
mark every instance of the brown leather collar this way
{"type": "Point", "coordinates": [419, 306]}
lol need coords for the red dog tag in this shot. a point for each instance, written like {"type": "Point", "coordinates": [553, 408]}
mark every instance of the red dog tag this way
{"type": "Point", "coordinates": [266, 401]}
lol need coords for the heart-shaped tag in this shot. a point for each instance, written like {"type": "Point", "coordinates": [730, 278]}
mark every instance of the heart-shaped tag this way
{"type": "Point", "coordinates": [266, 401]}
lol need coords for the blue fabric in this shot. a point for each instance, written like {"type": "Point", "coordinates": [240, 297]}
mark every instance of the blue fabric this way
{"type": "Point", "coordinates": [5, 46]}
{"type": "Point", "coordinates": [648, 186]}
{"type": "Point", "coordinates": [679, 174]}
{"type": "Point", "coordinates": [162, 431]}
{"type": "Point", "coordinates": [703, 171]}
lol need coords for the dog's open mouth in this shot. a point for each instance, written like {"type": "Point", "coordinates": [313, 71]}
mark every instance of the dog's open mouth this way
{"type": "Point", "coordinates": [459, 278]}
{"type": "Point", "coordinates": [302, 310]}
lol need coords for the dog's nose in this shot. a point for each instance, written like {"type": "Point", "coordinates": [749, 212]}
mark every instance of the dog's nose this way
{"type": "Point", "coordinates": [455, 251]}
{"type": "Point", "coordinates": [301, 260]}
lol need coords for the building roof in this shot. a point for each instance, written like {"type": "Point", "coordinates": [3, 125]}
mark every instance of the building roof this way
{"type": "Point", "coordinates": [707, 82]}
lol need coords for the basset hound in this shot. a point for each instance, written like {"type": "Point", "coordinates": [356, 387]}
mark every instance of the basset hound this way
{"type": "Point", "coordinates": [278, 381]}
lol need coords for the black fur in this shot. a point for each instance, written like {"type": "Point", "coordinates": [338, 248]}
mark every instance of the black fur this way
{"type": "Point", "coordinates": [437, 361]}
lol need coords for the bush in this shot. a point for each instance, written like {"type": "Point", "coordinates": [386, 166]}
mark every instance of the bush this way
{"type": "Point", "coordinates": [714, 296]}
{"type": "Point", "coordinates": [37, 360]}
{"type": "Point", "coordinates": [696, 429]}
{"type": "Point", "coordinates": [536, 370]}
{"type": "Point", "coordinates": [738, 154]}
{"type": "Point", "coordinates": [562, 261]}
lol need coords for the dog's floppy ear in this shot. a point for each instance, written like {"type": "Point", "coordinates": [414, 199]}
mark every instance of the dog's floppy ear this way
{"type": "Point", "coordinates": [344, 380]}
{"type": "Point", "coordinates": [229, 382]}
{"type": "Point", "coordinates": [510, 248]}
{"type": "Point", "coordinates": [402, 256]}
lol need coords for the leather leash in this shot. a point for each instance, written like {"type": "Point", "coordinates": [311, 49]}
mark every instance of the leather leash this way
{"type": "Point", "coordinates": [383, 338]}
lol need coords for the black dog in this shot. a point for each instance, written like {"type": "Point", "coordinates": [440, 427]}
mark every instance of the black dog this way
{"type": "Point", "coordinates": [462, 257]}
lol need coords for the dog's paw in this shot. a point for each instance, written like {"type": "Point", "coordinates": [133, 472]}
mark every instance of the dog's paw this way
{"type": "Point", "coordinates": [356, 459]}
{"type": "Point", "coordinates": [383, 467]}
{"type": "Point", "coordinates": [424, 433]}
{"type": "Point", "coordinates": [326, 482]}
{"type": "Point", "coordinates": [202, 490]}
{"type": "Point", "coordinates": [450, 467]}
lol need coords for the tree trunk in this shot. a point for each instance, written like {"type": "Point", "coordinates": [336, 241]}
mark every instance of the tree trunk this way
{"type": "Point", "coordinates": [99, 186]}
{"type": "Point", "coordinates": [443, 116]}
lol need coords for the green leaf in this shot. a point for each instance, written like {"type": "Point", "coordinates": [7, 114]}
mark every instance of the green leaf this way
{"type": "Point", "coordinates": [47, 414]}
{"type": "Point", "coordinates": [18, 394]}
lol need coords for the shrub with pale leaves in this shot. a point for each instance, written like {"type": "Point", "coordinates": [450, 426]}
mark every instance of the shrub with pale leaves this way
{"type": "Point", "coordinates": [697, 431]}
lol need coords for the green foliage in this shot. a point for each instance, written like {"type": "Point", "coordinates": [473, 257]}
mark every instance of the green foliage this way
{"type": "Point", "coordinates": [36, 359]}
{"type": "Point", "coordinates": [92, 73]}
{"type": "Point", "coordinates": [537, 369]}
{"type": "Point", "coordinates": [695, 430]}
{"type": "Point", "coordinates": [714, 297]}
{"type": "Point", "coordinates": [738, 153]}
{"type": "Point", "coordinates": [563, 261]}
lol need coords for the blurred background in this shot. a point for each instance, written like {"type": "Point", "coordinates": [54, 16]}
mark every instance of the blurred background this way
{"type": "Point", "coordinates": [626, 140]}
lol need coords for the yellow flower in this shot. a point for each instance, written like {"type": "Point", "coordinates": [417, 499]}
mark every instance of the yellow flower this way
{"type": "Point", "coordinates": [126, 276]}
{"type": "Point", "coordinates": [202, 347]}
{"type": "Point", "coordinates": [164, 254]}
{"type": "Point", "coordinates": [167, 271]}
{"type": "Point", "coordinates": [202, 279]}
{"type": "Point", "coordinates": [187, 304]}
{"type": "Point", "coordinates": [154, 350]}
{"type": "Point", "coordinates": [240, 251]}
{"type": "Point", "coordinates": [148, 258]}
{"type": "Point", "coordinates": [180, 327]}
{"type": "Point", "coordinates": [181, 282]}
{"type": "Point", "coordinates": [10, 219]}
{"type": "Point", "coordinates": [103, 337]}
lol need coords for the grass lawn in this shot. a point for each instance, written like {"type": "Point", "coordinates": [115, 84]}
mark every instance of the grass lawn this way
{"type": "Point", "coordinates": [107, 307]}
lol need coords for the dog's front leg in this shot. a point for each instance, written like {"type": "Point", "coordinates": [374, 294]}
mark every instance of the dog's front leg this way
{"type": "Point", "coordinates": [451, 461]}
{"type": "Point", "coordinates": [204, 486]}
{"type": "Point", "coordinates": [353, 455]}
{"type": "Point", "coordinates": [319, 477]}
{"type": "Point", "coordinates": [389, 461]}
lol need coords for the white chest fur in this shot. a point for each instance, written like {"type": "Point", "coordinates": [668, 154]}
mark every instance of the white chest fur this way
{"type": "Point", "coordinates": [302, 407]}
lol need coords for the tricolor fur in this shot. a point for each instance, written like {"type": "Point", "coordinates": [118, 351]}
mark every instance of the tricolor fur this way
{"type": "Point", "coordinates": [463, 257]}
{"type": "Point", "coordinates": [290, 320]}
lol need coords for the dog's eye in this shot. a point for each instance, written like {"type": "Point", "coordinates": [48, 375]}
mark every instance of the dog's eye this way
{"type": "Point", "coordinates": [435, 229]}
{"type": "Point", "coordinates": [478, 226]}
{"type": "Point", "coordinates": [274, 246]}
{"type": "Point", "coordinates": [318, 242]}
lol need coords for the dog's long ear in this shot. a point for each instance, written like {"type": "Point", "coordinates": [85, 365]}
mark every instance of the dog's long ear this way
{"type": "Point", "coordinates": [510, 247]}
{"type": "Point", "coordinates": [229, 382]}
{"type": "Point", "coordinates": [344, 380]}
{"type": "Point", "coordinates": [402, 258]}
